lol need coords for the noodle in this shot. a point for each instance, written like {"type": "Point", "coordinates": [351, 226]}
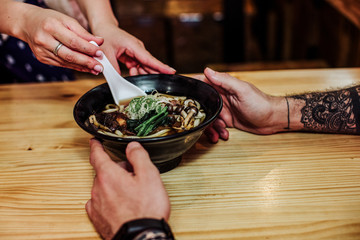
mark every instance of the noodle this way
{"type": "Point", "coordinates": [150, 116]}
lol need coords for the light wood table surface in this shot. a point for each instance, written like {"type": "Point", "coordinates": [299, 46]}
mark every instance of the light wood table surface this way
{"type": "Point", "coordinates": [283, 186]}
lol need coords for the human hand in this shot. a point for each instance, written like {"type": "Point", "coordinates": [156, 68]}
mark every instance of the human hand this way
{"type": "Point", "coordinates": [245, 108]}
{"type": "Point", "coordinates": [121, 46]}
{"type": "Point", "coordinates": [44, 29]}
{"type": "Point", "coordinates": [119, 195]}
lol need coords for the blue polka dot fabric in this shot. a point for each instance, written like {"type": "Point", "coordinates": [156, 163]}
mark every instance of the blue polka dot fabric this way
{"type": "Point", "coordinates": [18, 63]}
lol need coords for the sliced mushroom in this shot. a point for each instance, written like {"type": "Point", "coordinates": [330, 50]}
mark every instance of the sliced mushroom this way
{"type": "Point", "coordinates": [188, 101]}
{"type": "Point", "coordinates": [191, 124]}
{"type": "Point", "coordinates": [196, 122]}
{"type": "Point", "coordinates": [198, 105]}
{"type": "Point", "coordinates": [169, 108]}
{"type": "Point", "coordinates": [191, 113]}
{"type": "Point", "coordinates": [183, 114]}
{"type": "Point", "coordinates": [192, 104]}
{"type": "Point", "coordinates": [178, 109]}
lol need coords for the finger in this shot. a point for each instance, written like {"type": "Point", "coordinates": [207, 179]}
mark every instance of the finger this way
{"type": "Point", "coordinates": [139, 159]}
{"type": "Point", "coordinates": [206, 80]}
{"type": "Point", "coordinates": [73, 57]}
{"type": "Point", "coordinates": [211, 134]}
{"type": "Point", "coordinates": [75, 42]}
{"type": "Point", "coordinates": [222, 80]}
{"type": "Point", "coordinates": [145, 58]}
{"type": "Point", "coordinates": [99, 159]}
{"type": "Point", "coordinates": [130, 64]}
{"type": "Point", "coordinates": [128, 61]}
{"type": "Point", "coordinates": [45, 54]}
{"type": "Point", "coordinates": [97, 152]}
{"type": "Point", "coordinates": [220, 127]}
{"type": "Point", "coordinates": [226, 115]}
{"type": "Point", "coordinates": [133, 71]}
{"type": "Point", "coordinates": [142, 70]}
{"type": "Point", "coordinates": [81, 32]}
{"type": "Point", "coordinates": [150, 71]}
{"type": "Point", "coordinates": [61, 63]}
{"type": "Point", "coordinates": [88, 208]}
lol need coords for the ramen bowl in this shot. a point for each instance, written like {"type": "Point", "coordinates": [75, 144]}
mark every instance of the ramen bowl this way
{"type": "Point", "coordinates": [166, 151]}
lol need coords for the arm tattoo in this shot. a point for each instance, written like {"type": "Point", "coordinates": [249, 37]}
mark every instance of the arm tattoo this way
{"type": "Point", "coordinates": [333, 112]}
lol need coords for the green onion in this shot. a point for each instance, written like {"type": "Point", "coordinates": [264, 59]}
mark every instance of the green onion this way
{"type": "Point", "coordinates": [151, 127]}
{"type": "Point", "coordinates": [145, 128]}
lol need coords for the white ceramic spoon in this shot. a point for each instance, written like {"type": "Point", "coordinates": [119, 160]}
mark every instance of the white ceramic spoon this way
{"type": "Point", "coordinates": [121, 89]}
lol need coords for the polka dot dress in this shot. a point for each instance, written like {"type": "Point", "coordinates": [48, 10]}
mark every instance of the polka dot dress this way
{"type": "Point", "coordinates": [19, 64]}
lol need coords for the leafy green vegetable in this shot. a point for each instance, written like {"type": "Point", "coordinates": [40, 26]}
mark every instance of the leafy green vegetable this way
{"type": "Point", "coordinates": [140, 106]}
{"type": "Point", "coordinates": [133, 123]}
{"type": "Point", "coordinates": [149, 125]}
{"type": "Point", "coordinates": [146, 114]}
{"type": "Point", "coordinates": [154, 125]}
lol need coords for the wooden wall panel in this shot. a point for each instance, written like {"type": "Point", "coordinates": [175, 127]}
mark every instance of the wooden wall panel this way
{"type": "Point", "coordinates": [189, 34]}
{"type": "Point", "coordinates": [348, 8]}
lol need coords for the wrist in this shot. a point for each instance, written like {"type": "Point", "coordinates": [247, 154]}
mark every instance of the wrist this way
{"type": "Point", "coordinates": [294, 113]}
{"type": "Point", "coordinates": [286, 114]}
{"type": "Point", "coordinates": [14, 26]}
{"type": "Point", "coordinates": [97, 25]}
{"type": "Point", "coordinates": [98, 19]}
{"type": "Point", "coordinates": [135, 229]}
{"type": "Point", "coordinates": [279, 121]}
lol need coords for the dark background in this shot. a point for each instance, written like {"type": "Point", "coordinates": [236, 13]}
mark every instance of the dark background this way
{"type": "Point", "coordinates": [235, 35]}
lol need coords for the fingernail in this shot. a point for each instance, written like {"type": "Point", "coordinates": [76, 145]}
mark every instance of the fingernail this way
{"type": "Point", "coordinates": [94, 72]}
{"type": "Point", "coordinates": [224, 134]}
{"type": "Point", "coordinates": [98, 53]}
{"type": "Point", "coordinates": [98, 68]}
{"type": "Point", "coordinates": [133, 145]}
{"type": "Point", "coordinates": [99, 37]}
{"type": "Point", "coordinates": [172, 69]}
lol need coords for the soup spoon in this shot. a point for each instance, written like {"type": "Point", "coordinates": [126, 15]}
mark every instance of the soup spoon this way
{"type": "Point", "coordinates": [121, 89]}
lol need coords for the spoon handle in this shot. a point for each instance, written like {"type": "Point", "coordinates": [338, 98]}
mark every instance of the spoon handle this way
{"type": "Point", "coordinates": [120, 88]}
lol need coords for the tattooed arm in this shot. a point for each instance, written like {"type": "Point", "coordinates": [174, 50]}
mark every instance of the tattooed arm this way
{"type": "Point", "coordinates": [333, 112]}
{"type": "Point", "coordinates": [249, 109]}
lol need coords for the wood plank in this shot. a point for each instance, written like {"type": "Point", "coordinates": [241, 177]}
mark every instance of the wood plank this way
{"type": "Point", "coordinates": [282, 186]}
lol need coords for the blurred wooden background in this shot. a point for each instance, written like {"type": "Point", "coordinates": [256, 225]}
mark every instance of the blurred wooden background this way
{"type": "Point", "coordinates": [245, 34]}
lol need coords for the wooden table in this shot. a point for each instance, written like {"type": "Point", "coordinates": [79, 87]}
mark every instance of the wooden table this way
{"type": "Point", "coordinates": [283, 186]}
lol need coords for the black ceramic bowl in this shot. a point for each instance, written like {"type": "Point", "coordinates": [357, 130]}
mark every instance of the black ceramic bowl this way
{"type": "Point", "coordinates": [165, 152]}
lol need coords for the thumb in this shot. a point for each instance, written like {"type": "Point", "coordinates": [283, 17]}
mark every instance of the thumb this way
{"type": "Point", "coordinates": [139, 159]}
{"type": "Point", "coordinates": [221, 80]}
{"type": "Point", "coordinates": [88, 208]}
